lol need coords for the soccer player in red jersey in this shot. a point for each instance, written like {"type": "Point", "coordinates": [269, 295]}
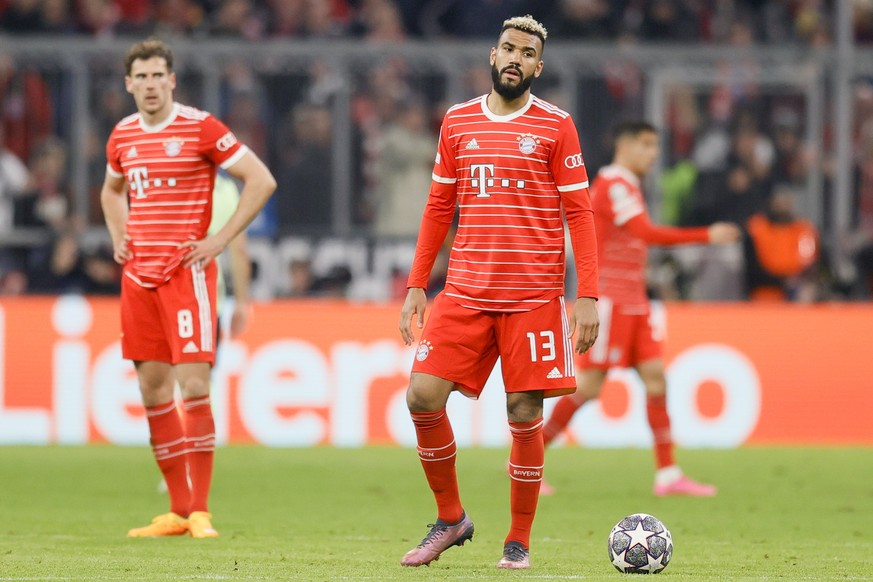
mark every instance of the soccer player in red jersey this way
{"type": "Point", "coordinates": [511, 163]}
{"type": "Point", "coordinates": [624, 232]}
{"type": "Point", "coordinates": [157, 200]}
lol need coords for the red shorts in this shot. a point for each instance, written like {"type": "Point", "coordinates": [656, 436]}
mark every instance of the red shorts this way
{"type": "Point", "coordinates": [628, 336]}
{"type": "Point", "coordinates": [173, 323]}
{"type": "Point", "coordinates": [462, 345]}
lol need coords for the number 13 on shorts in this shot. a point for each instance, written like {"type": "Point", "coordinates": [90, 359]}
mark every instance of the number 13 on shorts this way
{"type": "Point", "coordinates": [542, 346]}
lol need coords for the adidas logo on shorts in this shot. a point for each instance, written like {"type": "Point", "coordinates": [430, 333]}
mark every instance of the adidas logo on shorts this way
{"type": "Point", "coordinates": [191, 348]}
{"type": "Point", "coordinates": [554, 374]}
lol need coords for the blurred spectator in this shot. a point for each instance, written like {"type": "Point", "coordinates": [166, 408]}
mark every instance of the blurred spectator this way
{"type": "Point", "coordinates": [781, 251]}
{"type": "Point", "coordinates": [236, 19]}
{"type": "Point", "coordinates": [472, 19]}
{"type": "Point", "coordinates": [739, 190]}
{"type": "Point", "coordinates": [56, 18]}
{"type": "Point", "coordinates": [669, 21]}
{"type": "Point", "coordinates": [403, 170]}
{"type": "Point", "coordinates": [64, 267]}
{"type": "Point", "coordinates": [305, 175]}
{"type": "Point", "coordinates": [379, 21]}
{"type": "Point", "coordinates": [22, 17]}
{"type": "Point", "coordinates": [302, 282]}
{"type": "Point", "coordinates": [14, 179]}
{"type": "Point", "coordinates": [47, 204]}
{"type": "Point", "coordinates": [98, 17]}
{"type": "Point", "coordinates": [332, 285]}
{"type": "Point", "coordinates": [792, 160]}
{"type": "Point", "coordinates": [179, 18]}
{"type": "Point", "coordinates": [583, 19]}
{"type": "Point", "coordinates": [300, 278]}
{"type": "Point", "coordinates": [26, 110]}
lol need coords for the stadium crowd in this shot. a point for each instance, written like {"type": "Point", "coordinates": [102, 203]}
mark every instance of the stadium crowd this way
{"type": "Point", "coordinates": [772, 21]}
{"type": "Point", "coordinates": [732, 151]}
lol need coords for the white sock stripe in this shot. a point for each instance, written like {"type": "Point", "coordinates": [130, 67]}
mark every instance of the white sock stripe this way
{"type": "Point", "coordinates": [171, 455]}
{"type": "Point", "coordinates": [182, 452]}
{"type": "Point", "coordinates": [174, 443]}
{"type": "Point", "coordinates": [157, 412]}
{"type": "Point", "coordinates": [437, 448]}
{"type": "Point", "coordinates": [534, 427]}
{"type": "Point", "coordinates": [429, 419]}
{"type": "Point", "coordinates": [534, 467]}
{"type": "Point", "coordinates": [439, 459]}
{"type": "Point", "coordinates": [189, 404]}
{"type": "Point", "coordinates": [201, 438]}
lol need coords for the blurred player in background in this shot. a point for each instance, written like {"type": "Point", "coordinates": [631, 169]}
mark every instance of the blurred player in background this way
{"type": "Point", "coordinates": [510, 162]}
{"type": "Point", "coordinates": [627, 337]}
{"type": "Point", "coordinates": [157, 201]}
{"type": "Point", "coordinates": [225, 199]}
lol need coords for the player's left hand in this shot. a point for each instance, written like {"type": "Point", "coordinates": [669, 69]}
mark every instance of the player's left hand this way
{"type": "Point", "coordinates": [584, 323]}
{"type": "Point", "coordinates": [239, 320]}
{"type": "Point", "coordinates": [201, 251]}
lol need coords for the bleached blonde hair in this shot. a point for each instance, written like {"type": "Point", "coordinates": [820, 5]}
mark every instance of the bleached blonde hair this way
{"type": "Point", "coordinates": [528, 24]}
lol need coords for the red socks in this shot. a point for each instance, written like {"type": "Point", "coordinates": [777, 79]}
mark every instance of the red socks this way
{"type": "Point", "coordinates": [526, 461]}
{"type": "Point", "coordinates": [562, 414]}
{"type": "Point", "coordinates": [200, 437]}
{"type": "Point", "coordinates": [659, 421]}
{"type": "Point", "coordinates": [169, 447]}
{"type": "Point", "coordinates": [436, 449]}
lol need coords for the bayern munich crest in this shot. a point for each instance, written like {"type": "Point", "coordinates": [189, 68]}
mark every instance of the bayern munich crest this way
{"type": "Point", "coordinates": [173, 147]}
{"type": "Point", "coordinates": [527, 143]}
{"type": "Point", "coordinates": [423, 351]}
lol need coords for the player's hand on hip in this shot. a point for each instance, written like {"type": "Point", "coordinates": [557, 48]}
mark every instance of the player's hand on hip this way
{"type": "Point", "coordinates": [724, 233]}
{"type": "Point", "coordinates": [585, 323]}
{"type": "Point", "coordinates": [121, 252]}
{"type": "Point", "coordinates": [201, 251]}
{"type": "Point", "coordinates": [413, 306]}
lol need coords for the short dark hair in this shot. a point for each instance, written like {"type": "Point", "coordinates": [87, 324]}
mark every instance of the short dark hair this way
{"type": "Point", "coordinates": [528, 24]}
{"type": "Point", "coordinates": [632, 128]}
{"type": "Point", "coordinates": [147, 49]}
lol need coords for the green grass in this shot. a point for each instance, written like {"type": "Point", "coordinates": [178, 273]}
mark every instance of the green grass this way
{"type": "Point", "coordinates": [350, 514]}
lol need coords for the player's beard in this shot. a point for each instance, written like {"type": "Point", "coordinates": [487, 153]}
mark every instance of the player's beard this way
{"type": "Point", "coordinates": [510, 92]}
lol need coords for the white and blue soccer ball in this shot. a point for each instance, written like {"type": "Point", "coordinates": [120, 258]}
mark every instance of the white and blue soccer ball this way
{"type": "Point", "coordinates": [640, 544]}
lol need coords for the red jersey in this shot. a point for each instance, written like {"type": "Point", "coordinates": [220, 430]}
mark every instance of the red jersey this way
{"type": "Point", "coordinates": [511, 177]}
{"type": "Point", "coordinates": [624, 232]}
{"type": "Point", "coordinates": [170, 170]}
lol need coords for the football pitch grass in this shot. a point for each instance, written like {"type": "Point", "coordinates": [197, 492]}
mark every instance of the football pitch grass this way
{"type": "Point", "coordinates": [350, 514]}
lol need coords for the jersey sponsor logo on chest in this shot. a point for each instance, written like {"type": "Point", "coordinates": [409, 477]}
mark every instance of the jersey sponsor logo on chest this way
{"type": "Point", "coordinates": [483, 178]}
{"type": "Point", "coordinates": [138, 179]}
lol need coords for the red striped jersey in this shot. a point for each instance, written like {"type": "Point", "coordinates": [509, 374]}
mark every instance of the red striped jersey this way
{"type": "Point", "coordinates": [170, 171]}
{"type": "Point", "coordinates": [624, 232]}
{"type": "Point", "coordinates": [512, 177]}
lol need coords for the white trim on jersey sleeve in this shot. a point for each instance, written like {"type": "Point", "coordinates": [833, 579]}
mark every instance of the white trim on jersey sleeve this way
{"type": "Point", "coordinates": [112, 172]}
{"type": "Point", "coordinates": [573, 187]}
{"type": "Point", "coordinates": [243, 150]}
{"type": "Point", "coordinates": [442, 180]}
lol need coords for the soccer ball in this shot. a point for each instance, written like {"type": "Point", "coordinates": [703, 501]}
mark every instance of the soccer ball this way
{"type": "Point", "coordinates": [640, 544]}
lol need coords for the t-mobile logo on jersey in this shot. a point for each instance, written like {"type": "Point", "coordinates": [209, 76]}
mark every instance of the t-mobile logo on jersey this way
{"type": "Point", "coordinates": [483, 176]}
{"type": "Point", "coordinates": [138, 178]}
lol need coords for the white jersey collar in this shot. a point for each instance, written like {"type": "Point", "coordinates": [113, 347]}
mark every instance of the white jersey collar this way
{"type": "Point", "coordinates": [509, 117]}
{"type": "Point", "coordinates": [162, 125]}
